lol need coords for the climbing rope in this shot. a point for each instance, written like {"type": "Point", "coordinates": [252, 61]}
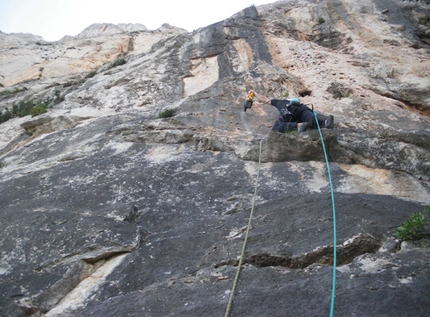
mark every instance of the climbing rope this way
{"type": "Point", "coordinates": [230, 301]}
{"type": "Point", "coordinates": [333, 293]}
{"type": "Point", "coordinates": [333, 288]}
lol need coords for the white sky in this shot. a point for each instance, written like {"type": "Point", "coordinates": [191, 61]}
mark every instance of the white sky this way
{"type": "Point", "coordinates": [53, 19]}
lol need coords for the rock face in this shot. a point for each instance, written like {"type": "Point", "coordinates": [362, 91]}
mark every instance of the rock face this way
{"type": "Point", "coordinates": [26, 57]}
{"type": "Point", "coordinates": [108, 209]}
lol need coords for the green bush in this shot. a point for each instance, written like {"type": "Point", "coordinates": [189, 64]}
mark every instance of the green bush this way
{"type": "Point", "coordinates": [167, 113]}
{"type": "Point", "coordinates": [39, 109]}
{"type": "Point", "coordinates": [424, 20]}
{"type": "Point", "coordinates": [23, 109]}
{"type": "Point", "coordinates": [91, 74]}
{"type": "Point", "coordinates": [321, 20]}
{"type": "Point", "coordinates": [119, 62]}
{"type": "Point", "coordinates": [412, 226]}
{"type": "Point", "coordinates": [116, 63]}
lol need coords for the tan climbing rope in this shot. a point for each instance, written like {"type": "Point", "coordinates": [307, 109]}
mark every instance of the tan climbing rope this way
{"type": "Point", "coordinates": [230, 301]}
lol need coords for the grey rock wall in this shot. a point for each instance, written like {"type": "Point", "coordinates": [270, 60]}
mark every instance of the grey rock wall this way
{"type": "Point", "coordinates": [109, 210]}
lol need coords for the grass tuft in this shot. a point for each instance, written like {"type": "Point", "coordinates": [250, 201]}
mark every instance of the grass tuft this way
{"type": "Point", "coordinates": [416, 223]}
{"type": "Point", "coordinates": [167, 113]}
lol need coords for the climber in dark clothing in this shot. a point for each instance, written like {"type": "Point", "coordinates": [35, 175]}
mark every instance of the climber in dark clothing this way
{"type": "Point", "coordinates": [292, 113]}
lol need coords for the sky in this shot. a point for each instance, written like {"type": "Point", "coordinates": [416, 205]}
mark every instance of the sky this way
{"type": "Point", "coordinates": [53, 19]}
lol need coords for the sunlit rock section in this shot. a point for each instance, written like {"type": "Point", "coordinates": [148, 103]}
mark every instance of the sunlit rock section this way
{"type": "Point", "coordinates": [26, 57]}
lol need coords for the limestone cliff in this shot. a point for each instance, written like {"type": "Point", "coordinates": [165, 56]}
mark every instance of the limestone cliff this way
{"type": "Point", "coordinates": [25, 57]}
{"type": "Point", "coordinates": [108, 209]}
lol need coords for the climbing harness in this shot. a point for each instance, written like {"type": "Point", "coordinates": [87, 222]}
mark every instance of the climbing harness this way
{"type": "Point", "coordinates": [227, 312]}
{"type": "Point", "coordinates": [333, 288]}
{"type": "Point", "coordinates": [230, 301]}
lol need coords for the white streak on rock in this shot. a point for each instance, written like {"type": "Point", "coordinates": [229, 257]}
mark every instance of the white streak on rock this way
{"type": "Point", "coordinates": [88, 286]}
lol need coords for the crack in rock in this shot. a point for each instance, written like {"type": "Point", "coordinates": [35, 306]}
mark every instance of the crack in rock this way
{"type": "Point", "coordinates": [91, 255]}
{"type": "Point", "coordinates": [346, 253]}
{"type": "Point", "coordinates": [80, 281]}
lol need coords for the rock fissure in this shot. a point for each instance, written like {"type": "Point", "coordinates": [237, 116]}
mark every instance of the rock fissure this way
{"type": "Point", "coordinates": [346, 253]}
{"type": "Point", "coordinates": [80, 281]}
{"type": "Point", "coordinates": [95, 254]}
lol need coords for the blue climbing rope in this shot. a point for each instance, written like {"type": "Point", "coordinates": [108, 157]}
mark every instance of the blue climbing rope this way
{"type": "Point", "coordinates": [333, 288]}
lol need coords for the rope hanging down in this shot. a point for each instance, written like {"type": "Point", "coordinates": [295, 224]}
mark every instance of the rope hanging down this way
{"type": "Point", "coordinates": [333, 293]}
{"type": "Point", "coordinates": [333, 289]}
{"type": "Point", "coordinates": [230, 301]}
